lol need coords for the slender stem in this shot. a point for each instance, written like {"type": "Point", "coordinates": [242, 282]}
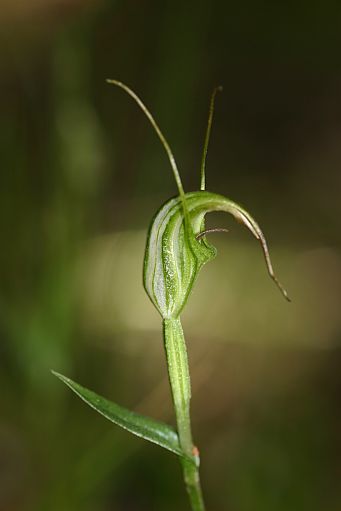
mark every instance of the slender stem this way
{"type": "Point", "coordinates": [207, 138]}
{"type": "Point", "coordinates": [158, 132]}
{"type": "Point", "coordinates": [162, 138]}
{"type": "Point", "coordinates": [179, 378]}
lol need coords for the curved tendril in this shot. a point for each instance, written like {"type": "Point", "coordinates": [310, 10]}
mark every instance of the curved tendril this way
{"type": "Point", "coordinates": [268, 263]}
{"type": "Point", "coordinates": [209, 231]}
{"type": "Point", "coordinates": [159, 133]}
{"type": "Point", "coordinates": [243, 217]}
{"type": "Point", "coordinates": [207, 137]}
{"type": "Point", "coordinates": [258, 234]}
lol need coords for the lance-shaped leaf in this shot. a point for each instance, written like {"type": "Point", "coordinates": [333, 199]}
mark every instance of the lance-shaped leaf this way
{"type": "Point", "coordinates": [144, 427]}
{"type": "Point", "coordinates": [174, 255]}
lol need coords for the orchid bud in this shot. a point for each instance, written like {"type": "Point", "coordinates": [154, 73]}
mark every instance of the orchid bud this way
{"type": "Point", "coordinates": [174, 255]}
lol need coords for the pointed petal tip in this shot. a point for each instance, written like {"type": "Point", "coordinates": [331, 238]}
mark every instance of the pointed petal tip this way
{"type": "Point", "coordinates": [281, 288]}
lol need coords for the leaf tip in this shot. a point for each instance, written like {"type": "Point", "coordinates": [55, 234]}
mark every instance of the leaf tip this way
{"type": "Point", "coordinates": [61, 377]}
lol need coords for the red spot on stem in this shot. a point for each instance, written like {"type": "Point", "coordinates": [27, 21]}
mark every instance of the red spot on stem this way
{"type": "Point", "coordinates": [195, 451]}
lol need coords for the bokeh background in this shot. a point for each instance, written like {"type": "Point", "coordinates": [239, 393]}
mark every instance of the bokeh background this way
{"type": "Point", "coordinates": [82, 173]}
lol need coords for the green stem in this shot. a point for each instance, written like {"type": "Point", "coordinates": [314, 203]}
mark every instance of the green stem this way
{"type": "Point", "coordinates": [179, 378]}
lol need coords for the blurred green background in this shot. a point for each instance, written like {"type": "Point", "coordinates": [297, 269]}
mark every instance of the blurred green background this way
{"type": "Point", "coordinates": [82, 173]}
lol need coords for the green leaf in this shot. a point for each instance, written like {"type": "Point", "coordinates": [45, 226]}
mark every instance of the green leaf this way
{"type": "Point", "coordinates": [144, 427]}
